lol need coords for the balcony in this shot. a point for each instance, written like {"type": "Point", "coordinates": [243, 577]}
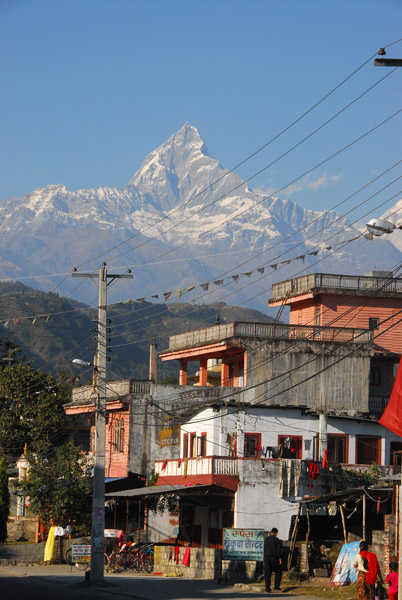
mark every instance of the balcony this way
{"type": "Point", "coordinates": [217, 333]}
{"type": "Point", "coordinates": [200, 466]}
{"type": "Point", "coordinates": [360, 285]}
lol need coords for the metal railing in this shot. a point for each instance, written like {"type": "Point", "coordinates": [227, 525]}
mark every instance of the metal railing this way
{"type": "Point", "coordinates": [201, 465]}
{"type": "Point", "coordinates": [216, 333]}
{"type": "Point", "coordinates": [361, 283]}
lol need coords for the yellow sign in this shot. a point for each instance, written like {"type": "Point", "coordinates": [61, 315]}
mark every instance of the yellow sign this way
{"type": "Point", "coordinates": [168, 436]}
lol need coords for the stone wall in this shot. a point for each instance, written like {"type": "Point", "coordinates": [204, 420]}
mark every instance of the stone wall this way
{"type": "Point", "coordinates": [21, 527]}
{"type": "Point", "coordinates": [28, 553]}
{"type": "Point", "coordinates": [241, 571]}
{"type": "Point", "coordinates": [205, 563]}
{"type": "Point", "coordinates": [383, 544]}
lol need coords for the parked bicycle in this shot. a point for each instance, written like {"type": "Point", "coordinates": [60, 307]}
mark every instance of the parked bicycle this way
{"type": "Point", "coordinates": [81, 565]}
{"type": "Point", "coordinates": [144, 558]}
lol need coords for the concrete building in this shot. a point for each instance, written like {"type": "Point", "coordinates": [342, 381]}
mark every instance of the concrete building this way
{"type": "Point", "coordinates": [242, 450]}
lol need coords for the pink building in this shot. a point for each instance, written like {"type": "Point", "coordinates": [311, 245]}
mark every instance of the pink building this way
{"type": "Point", "coordinates": [365, 302]}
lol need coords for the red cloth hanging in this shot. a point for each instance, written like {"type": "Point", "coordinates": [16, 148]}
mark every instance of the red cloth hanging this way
{"type": "Point", "coordinates": [176, 554]}
{"type": "Point", "coordinates": [314, 471]}
{"type": "Point", "coordinates": [186, 557]}
{"type": "Point", "coordinates": [325, 464]}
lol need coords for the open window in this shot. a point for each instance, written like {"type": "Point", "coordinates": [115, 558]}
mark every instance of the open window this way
{"type": "Point", "coordinates": [252, 445]}
{"type": "Point", "coordinates": [368, 449]}
{"type": "Point", "coordinates": [292, 446]}
{"type": "Point", "coordinates": [202, 445]}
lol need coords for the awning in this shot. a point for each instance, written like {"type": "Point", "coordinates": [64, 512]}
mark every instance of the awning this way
{"type": "Point", "coordinates": [344, 495]}
{"type": "Point", "coordinates": [180, 490]}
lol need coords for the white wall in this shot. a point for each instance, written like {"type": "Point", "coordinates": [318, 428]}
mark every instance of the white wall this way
{"type": "Point", "coordinates": [272, 422]}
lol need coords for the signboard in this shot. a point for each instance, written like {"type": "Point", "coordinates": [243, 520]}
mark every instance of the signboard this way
{"type": "Point", "coordinates": [243, 544]}
{"type": "Point", "coordinates": [110, 533]}
{"type": "Point", "coordinates": [344, 572]}
{"type": "Point", "coordinates": [168, 436]}
{"type": "Point", "coordinates": [80, 553]}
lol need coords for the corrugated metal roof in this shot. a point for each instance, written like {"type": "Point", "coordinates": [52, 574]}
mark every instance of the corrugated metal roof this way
{"type": "Point", "coordinates": [168, 489]}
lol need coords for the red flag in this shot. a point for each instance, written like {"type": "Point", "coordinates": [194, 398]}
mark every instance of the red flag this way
{"type": "Point", "coordinates": [392, 415]}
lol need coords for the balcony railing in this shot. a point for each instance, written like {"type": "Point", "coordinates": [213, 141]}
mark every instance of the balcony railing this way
{"type": "Point", "coordinates": [202, 465]}
{"type": "Point", "coordinates": [216, 333]}
{"type": "Point", "coordinates": [307, 283]}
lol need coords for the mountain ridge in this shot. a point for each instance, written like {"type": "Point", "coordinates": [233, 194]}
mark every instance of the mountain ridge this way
{"type": "Point", "coordinates": [179, 204]}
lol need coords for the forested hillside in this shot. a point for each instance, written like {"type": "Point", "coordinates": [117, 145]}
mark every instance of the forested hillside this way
{"type": "Point", "coordinates": [52, 330]}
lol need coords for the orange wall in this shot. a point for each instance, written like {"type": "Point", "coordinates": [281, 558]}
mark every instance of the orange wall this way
{"type": "Point", "coordinates": [116, 463]}
{"type": "Point", "coordinates": [341, 311]}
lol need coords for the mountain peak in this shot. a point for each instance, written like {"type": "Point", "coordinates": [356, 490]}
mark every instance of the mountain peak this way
{"type": "Point", "coordinates": [180, 149]}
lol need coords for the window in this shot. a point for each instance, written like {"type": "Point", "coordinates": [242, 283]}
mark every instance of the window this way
{"type": "Point", "coordinates": [118, 435]}
{"type": "Point", "coordinates": [395, 458]}
{"type": "Point", "coordinates": [367, 449]}
{"type": "Point", "coordinates": [317, 316]}
{"type": "Point", "coordinates": [291, 446]}
{"type": "Point", "coordinates": [202, 445]}
{"type": "Point", "coordinates": [185, 445]}
{"type": "Point", "coordinates": [375, 376]}
{"type": "Point", "coordinates": [252, 445]}
{"type": "Point", "coordinates": [193, 445]}
{"type": "Point", "coordinates": [374, 323]}
{"type": "Point", "coordinates": [337, 448]}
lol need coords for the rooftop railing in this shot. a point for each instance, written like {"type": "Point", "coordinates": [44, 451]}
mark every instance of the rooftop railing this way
{"type": "Point", "coordinates": [358, 283]}
{"type": "Point", "coordinates": [219, 333]}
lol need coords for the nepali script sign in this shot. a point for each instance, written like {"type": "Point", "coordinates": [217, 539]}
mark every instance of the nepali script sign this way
{"type": "Point", "coordinates": [243, 544]}
{"type": "Point", "coordinates": [81, 553]}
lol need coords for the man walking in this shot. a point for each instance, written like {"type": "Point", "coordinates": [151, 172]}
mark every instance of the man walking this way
{"type": "Point", "coordinates": [272, 559]}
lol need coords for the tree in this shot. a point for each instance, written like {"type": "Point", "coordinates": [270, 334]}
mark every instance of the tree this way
{"type": "Point", "coordinates": [4, 501]}
{"type": "Point", "coordinates": [60, 487]}
{"type": "Point", "coordinates": [31, 411]}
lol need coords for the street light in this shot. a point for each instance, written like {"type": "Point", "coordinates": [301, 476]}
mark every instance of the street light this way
{"type": "Point", "coordinates": [378, 227]}
{"type": "Point", "coordinates": [81, 363]}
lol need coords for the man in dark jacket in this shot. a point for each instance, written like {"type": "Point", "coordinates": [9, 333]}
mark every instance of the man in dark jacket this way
{"type": "Point", "coordinates": [273, 552]}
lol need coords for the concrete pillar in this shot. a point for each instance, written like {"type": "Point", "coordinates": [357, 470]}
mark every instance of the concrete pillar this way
{"type": "Point", "coordinates": [183, 372]}
{"type": "Point", "coordinates": [153, 373]}
{"type": "Point", "coordinates": [323, 434]}
{"type": "Point", "coordinates": [203, 371]}
{"type": "Point", "coordinates": [224, 375]}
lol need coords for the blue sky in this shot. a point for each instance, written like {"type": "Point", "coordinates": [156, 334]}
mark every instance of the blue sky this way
{"type": "Point", "coordinates": [90, 87]}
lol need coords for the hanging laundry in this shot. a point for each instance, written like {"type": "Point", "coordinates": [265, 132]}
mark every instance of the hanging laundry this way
{"type": "Point", "coordinates": [314, 472]}
{"type": "Point", "coordinates": [186, 557]}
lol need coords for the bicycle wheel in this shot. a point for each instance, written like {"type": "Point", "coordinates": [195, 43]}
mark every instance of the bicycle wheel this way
{"type": "Point", "coordinates": [148, 565]}
{"type": "Point", "coordinates": [83, 566]}
{"type": "Point", "coordinates": [67, 557]}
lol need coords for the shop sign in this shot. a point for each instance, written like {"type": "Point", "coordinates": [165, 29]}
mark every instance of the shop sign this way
{"type": "Point", "coordinates": [243, 544]}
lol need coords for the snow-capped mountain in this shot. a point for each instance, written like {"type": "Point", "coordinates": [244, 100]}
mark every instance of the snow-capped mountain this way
{"type": "Point", "coordinates": [182, 220]}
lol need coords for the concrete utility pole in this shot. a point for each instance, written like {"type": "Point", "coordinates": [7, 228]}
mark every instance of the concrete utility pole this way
{"type": "Point", "coordinates": [98, 502]}
{"type": "Point", "coordinates": [394, 62]}
{"type": "Point", "coordinates": [386, 62]}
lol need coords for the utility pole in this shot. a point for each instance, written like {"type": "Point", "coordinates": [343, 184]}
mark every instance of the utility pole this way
{"type": "Point", "coordinates": [394, 62]}
{"type": "Point", "coordinates": [98, 501]}
{"type": "Point", "coordinates": [386, 62]}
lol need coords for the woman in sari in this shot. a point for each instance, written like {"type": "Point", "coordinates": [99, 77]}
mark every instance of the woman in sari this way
{"type": "Point", "coordinates": [369, 572]}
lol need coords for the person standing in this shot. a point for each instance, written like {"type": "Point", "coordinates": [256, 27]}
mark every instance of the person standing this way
{"type": "Point", "coordinates": [273, 552]}
{"type": "Point", "coordinates": [392, 580]}
{"type": "Point", "coordinates": [366, 564]}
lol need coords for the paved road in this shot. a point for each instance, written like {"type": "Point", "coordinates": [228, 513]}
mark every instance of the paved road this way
{"type": "Point", "coordinates": [61, 583]}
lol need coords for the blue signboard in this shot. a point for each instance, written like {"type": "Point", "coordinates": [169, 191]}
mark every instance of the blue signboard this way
{"type": "Point", "coordinates": [243, 544]}
{"type": "Point", "coordinates": [344, 572]}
